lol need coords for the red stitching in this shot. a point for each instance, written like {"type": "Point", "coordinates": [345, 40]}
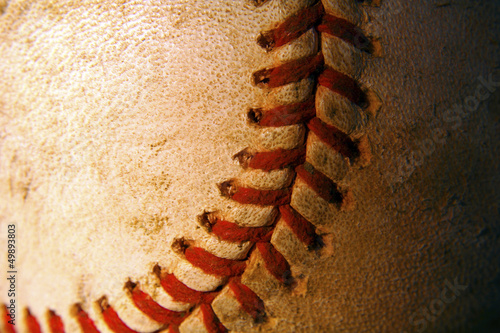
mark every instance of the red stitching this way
{"type": "Point", "coordinates": [153, 310]}
{"type": "Point", "coordinates": [55, 323]}
{"type": "Point", "coordinates": [9, 328]}
{"type": "Point", "coordinates": [320, 183]}
{"type": "Point", "coordinates": [275, 263]}
{"type": "Point", "coordinates": [334, 137]}
{"type": "Point", "coordinates": [252, 196]}
{"type": "Point", "coordinates": [232, 232]}
{"type": "Point", "coordinates": [86, 324]}
{"type": "Point", "coordinates": [292, 28]}
{"type": "Point", "coordinates": [32, 323]}
{"type": "Point", "coordinates": [284, 115]}
{"type": "Point", "coordinates": [212, 264]}
{"type": "Point", "coordinates": [344, 30]}
{"type": "Point", "coordinates": [303, 229]}
{"type": "Point", "coordinates": [212, 323]}
{"type": "Point", "coordinates": [289, 72]}
{"type": "Point", "coordinates": [112, 319]}
{"type": "Point", "coordinates": [262, 197]}
{"type": "Point", "coordinates": [173, 329]}
{"type": "Point", "coordinates": [182, 293]}
{"type": "Point", "coordinates": [272, 160]}
{"type": "Point", "coordinates": [248, 300]}
{"type": "Point", "coordinates": [343, 85]}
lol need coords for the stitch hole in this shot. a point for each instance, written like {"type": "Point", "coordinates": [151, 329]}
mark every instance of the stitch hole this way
{"type": "Point", "coordinates": [207, 220]}
{"type": "Point", "coordinates": [328, 250]}
{"type": "Point", "coordinates": [75, 309]}
{"type": "Point", "coordinates": [262, 77]}
{"type": "Point", "coordinates": [55, 322]}
{"type": "Point", "coordinates": [288, 280]}
{"type": "Point", "coordinates": [373, 102]}
{"type": "Point", "coordinates": [129, 285]}
{"type": "Point", "coordinates": [157, 270]}
{"type": "Point", "coordinates": [317, 244]}
{"type": "Point", "coordinates": [243, 157]}
{"type": "Point", "coordinates": [228, 188]}
{"type": "Point", "coordinates": [180, 245]}
{"type": "Point", "coordinates": [376, 48]}
{"type": "Point", "coordinates": [266, 40]}
{"type": "Point", "coordinates": [368, 44]}
{"type": "Point", "coordinates": [255, 115]}
{"type": "Point", "coordinates": [103, 303]}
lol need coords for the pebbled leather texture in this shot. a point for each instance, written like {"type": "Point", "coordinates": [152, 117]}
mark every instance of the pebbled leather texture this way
{"type": "Point", "coordinates": [119, 119]}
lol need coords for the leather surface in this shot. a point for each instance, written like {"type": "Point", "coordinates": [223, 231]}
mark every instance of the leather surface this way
{"type": "Point", "coordinates": [119, 119]}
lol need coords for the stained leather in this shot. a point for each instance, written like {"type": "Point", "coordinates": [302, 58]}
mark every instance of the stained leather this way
{"type": "Point", "coordinates": [119, 119]}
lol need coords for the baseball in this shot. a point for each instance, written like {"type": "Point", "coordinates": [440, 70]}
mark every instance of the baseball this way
{"type": "Point", "coordinates": [249, 166]}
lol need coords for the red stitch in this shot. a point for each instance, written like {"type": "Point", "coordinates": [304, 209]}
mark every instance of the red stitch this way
{"type": "Point", "coordinates": [343, 85]}
{"type": "Point", "coordinates": [272, 160]}
{"type": "Point", "coordinates": [55, 323]}
{"type": "Point", "coordinates": [182, 293]}
{"type": "Point", "coordinates": [344, 30]}
{"type": "Point", "coordinates": [112, 319]}
{"type": "Point", "coordinates": [292, 28]}
{"type": "Point", "coordinates": [244, 157]}
{"type": "Point", "coordinates": [208, 219]}
{"type": "Point", "coordinates": [179, 245]}
{"type": "Point", "coordinates": [9, 328]}
{"type": "Point", "coordinates": [32, 323]}
{"type": "Point", "coordinates": [275, 263]}
{"type": "Point", "coordinates": [248, 300]}
{"type": "Point", "coordinates": [232, 232]}
{"type": "Point", "coordinates": [320, 183]}
{"type": "Point", "coordinates": [284, 115]}
{"type": "Point", "coordinates": [278, 159]}
{"type": "Point", "coordinates": [289, 72]}
{"type": "Point", "coordinates": [212, 264]}
{"type": "Point", "coordinates": [173, 329]}
{"type": "Point", "coordinates": [86, 324]}
{"type": "Point", "coordinates": [303, 229]}
{"type": "Point", "coordinates": [334, 137]}
{"type": "Point", "coordinates": [212, 323]}
{"type": "Point", "coordinates": [252, 196]}
{"type": "Point", "coordinates": [178, 290]}
{"type": "Point", "coordinates": [153, 310]}
{"type": "Point", "coordinates": [262, 197]}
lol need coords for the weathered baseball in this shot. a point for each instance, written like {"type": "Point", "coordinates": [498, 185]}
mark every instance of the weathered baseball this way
{"type": "Point", "coordinates": [249, 165]}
